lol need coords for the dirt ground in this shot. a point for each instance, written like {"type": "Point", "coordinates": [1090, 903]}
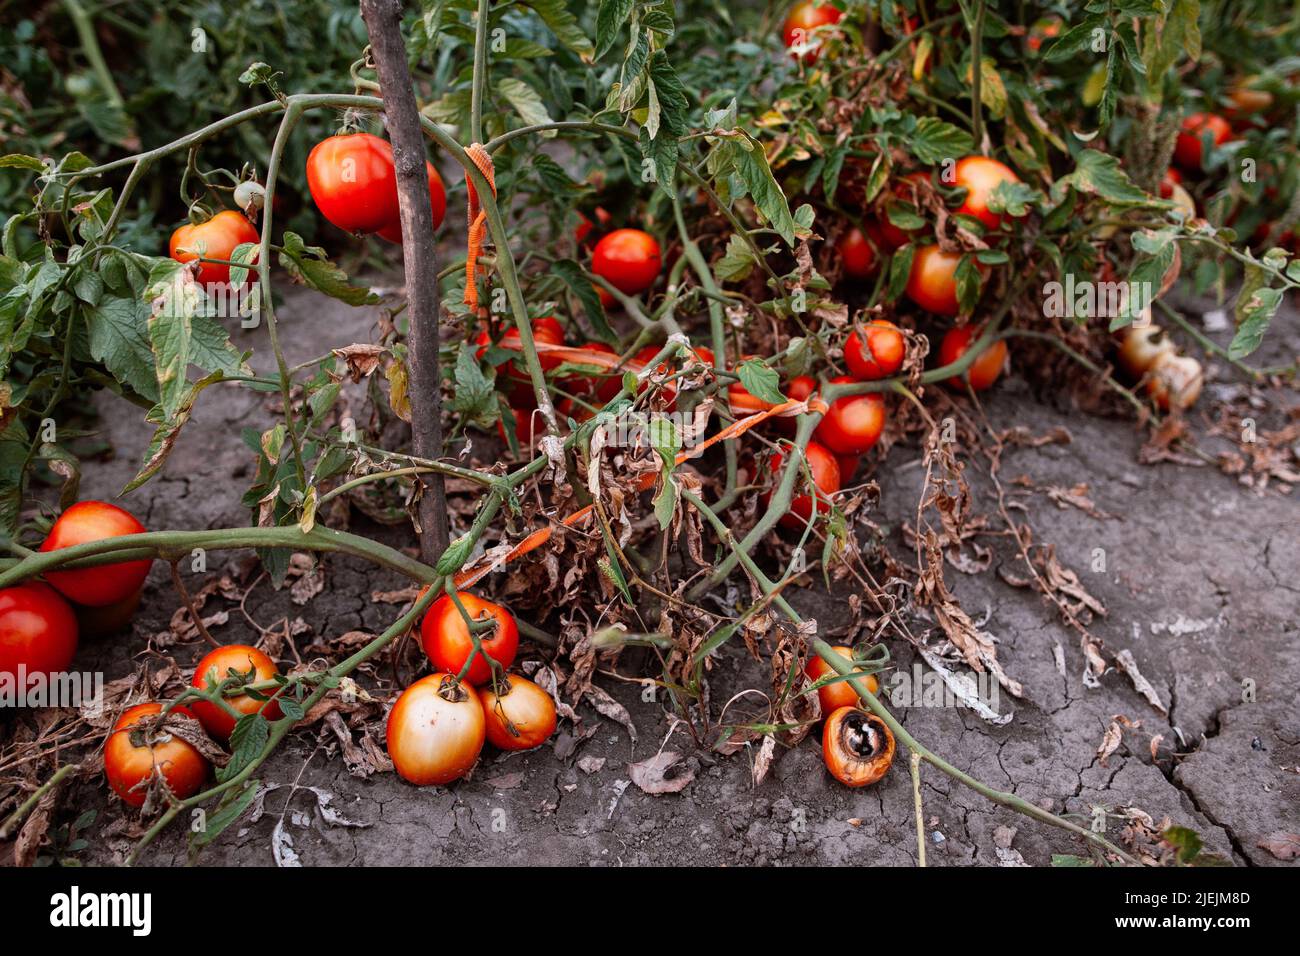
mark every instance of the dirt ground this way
{"type": "Point", "coordinates": [1199, 585]}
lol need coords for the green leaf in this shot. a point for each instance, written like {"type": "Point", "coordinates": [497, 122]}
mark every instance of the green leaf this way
{"type": "Point", "coordinates": [564, 25]}
{"type": "Point", "coordinates": [168, 431]}
{"type": "Point", "coordinates": [311, 266]}
{"type": "Point", "coordinates": [751, 164]}
{"type": "Point", "coordinates": [247, 740]}
{"type": "Point", "coordinates": [934, 140]}
{"type": "Point", "coordinates": [526, 101]}
{"type": "Point", "coordinates": [610, 20]}
{"type": "Point", "coordinates": [1254, 313]}
{"type": "Point", "coordinates": [576, 279]}
{"type": "Point", "coordinates": [119, 338]}
{"type": "Point", "coordinates": [473, 394]}
{"type": "Point", "coordinates": [1100, 174]}
{"type": "Point", "coordinates": [737, 262]}
{"type": "Point", "coordinates": [761, 381]}
{"type": "Point", "coordinates": [170, 332]}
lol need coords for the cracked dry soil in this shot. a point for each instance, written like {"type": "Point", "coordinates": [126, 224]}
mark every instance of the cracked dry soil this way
{"type": "Point", "coordinates": [1200, 585]}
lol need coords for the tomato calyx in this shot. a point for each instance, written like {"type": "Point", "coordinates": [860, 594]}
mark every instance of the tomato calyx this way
{"type": "Point", "coordinates": [452, 690]}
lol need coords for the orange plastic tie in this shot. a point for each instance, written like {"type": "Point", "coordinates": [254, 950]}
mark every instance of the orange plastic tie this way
{"type": "Point", "coordinates": [477, 220]}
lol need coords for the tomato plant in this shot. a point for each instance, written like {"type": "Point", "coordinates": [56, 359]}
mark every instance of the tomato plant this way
{"type": "Point", "coordinates": [520, 717]}
{"type": "Point", "coordinates": [436, 730]}
{"type": "Point", "coordinates": [88, 521]}
{"type": "Point", "coordinates": [446, 636]}
{"type": "Point", "coordinates": [249, 665]}
{"type": "Point", "coordinates": [136, 752]}
{"type": "Point", "coordinates": [38, 631]}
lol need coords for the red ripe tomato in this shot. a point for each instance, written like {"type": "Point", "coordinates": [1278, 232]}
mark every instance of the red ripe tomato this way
{"type": "Point", "coordinates": [446, 639]}
{"type": "Point", "coordinates": [628, 259]}
{"type": "Point", "coordinates": [215, 668]}
{"type": "Point", "coordinates": [130, 760]}
{"type": "Point", "coordinates": [38, 632]}
{"type": "Point", "coordinates": [1187, 149]}
{"type": "Point", "coordinates": [848, 467]}
{"type": "Point", "coordinates": [801, 21]}
{"type": "Point", "coordinates": [88, 521]}
{"type": "Point", "coordinates": [980, 176]}
{"type": "Point", "coordinates": [840, 694]}
{"type": "Point", "coordinates": [984, 371]}
{"type": "Point", "coordinates": [875, 351]}
{"type": "Point", "coordinates": [1040, 31]}
{"type": "Point", "coordinates": [215, 239]}
{"type": "Point", "coordinates": [903, 190]}
{"type": "Point", "coordinates": [826, 477]}
{"type": "Point", "coordinates": [353, 182]}
{"type": "Point", "coordinates": [520, 718]}
{"type": "Point", "coordinates": [435, 731]}
{"type": "Point", "coordinates": [800, 389]}
{"type": "Point", "coordinates": [1171, 179]}
{"type": "Point", "coordinates": [437, 205]}
{"type": "Point", "coordinates": [853, 423]}
{"type": "Point", "coordinates": [932, 283]}
{"type": "Point", "coordinates": [857, 256]}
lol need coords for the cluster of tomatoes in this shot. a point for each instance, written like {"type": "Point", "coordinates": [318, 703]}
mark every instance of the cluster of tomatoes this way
{"type": "Point", "coordinates": [41, 621]}
{"type": "Point", "coordinates": [857, 746]}
{"type": "Point", "coordinates": [437, 727]}
{"type": "Point", "coordinates": [353, 182]}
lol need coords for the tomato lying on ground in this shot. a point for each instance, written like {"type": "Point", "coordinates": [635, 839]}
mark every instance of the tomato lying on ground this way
{"type": "Point", "coordinates": [437, 206]}
{"type": "Point", "coordinates": [445, 636]}
{"type": "Point", "coordinates": [826, 478]}
{"type": "Point", "coordinates": [857, 256]}
{"type": "Point", "coordinates": [628, 259]}
{"type": "Point", "coordinates": [986, 368]}
{"type": "Point", "coordinates": [853, 423]}
{"type": "Point", "coordinates": [435, 730]}
{"type": "Point", "coordinates": [520, 718]}
{"type": "Point", "coordinates": [38, 631]}
{"type": "Point", "coordinates": [215, 668]}
{"type": "Point", "coordinates": [801, 21]}
{"type": "Point", "coordinates": [1175, 381]}
{"type": "Point", "coordinates": [840, 694]}
{"type": "Point", "coordinates": [353, 183]}
{"type": "Point", "coordinates": [875, 350]}
{"type": "Point", "coordinates": [1187, 149]}
{"type": "Point", "coordinates": [858, 746]}
{"type": "Point", "coordinates": [980, 175]}
{"type": "Point", "coordinates": [88, 521]}
{"type": "Point", "coordinates": [130, 760]}
{"type": "Point", "coordinates": [217, 238]}
{"type": "Point", "coordinates": [932, 283]}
